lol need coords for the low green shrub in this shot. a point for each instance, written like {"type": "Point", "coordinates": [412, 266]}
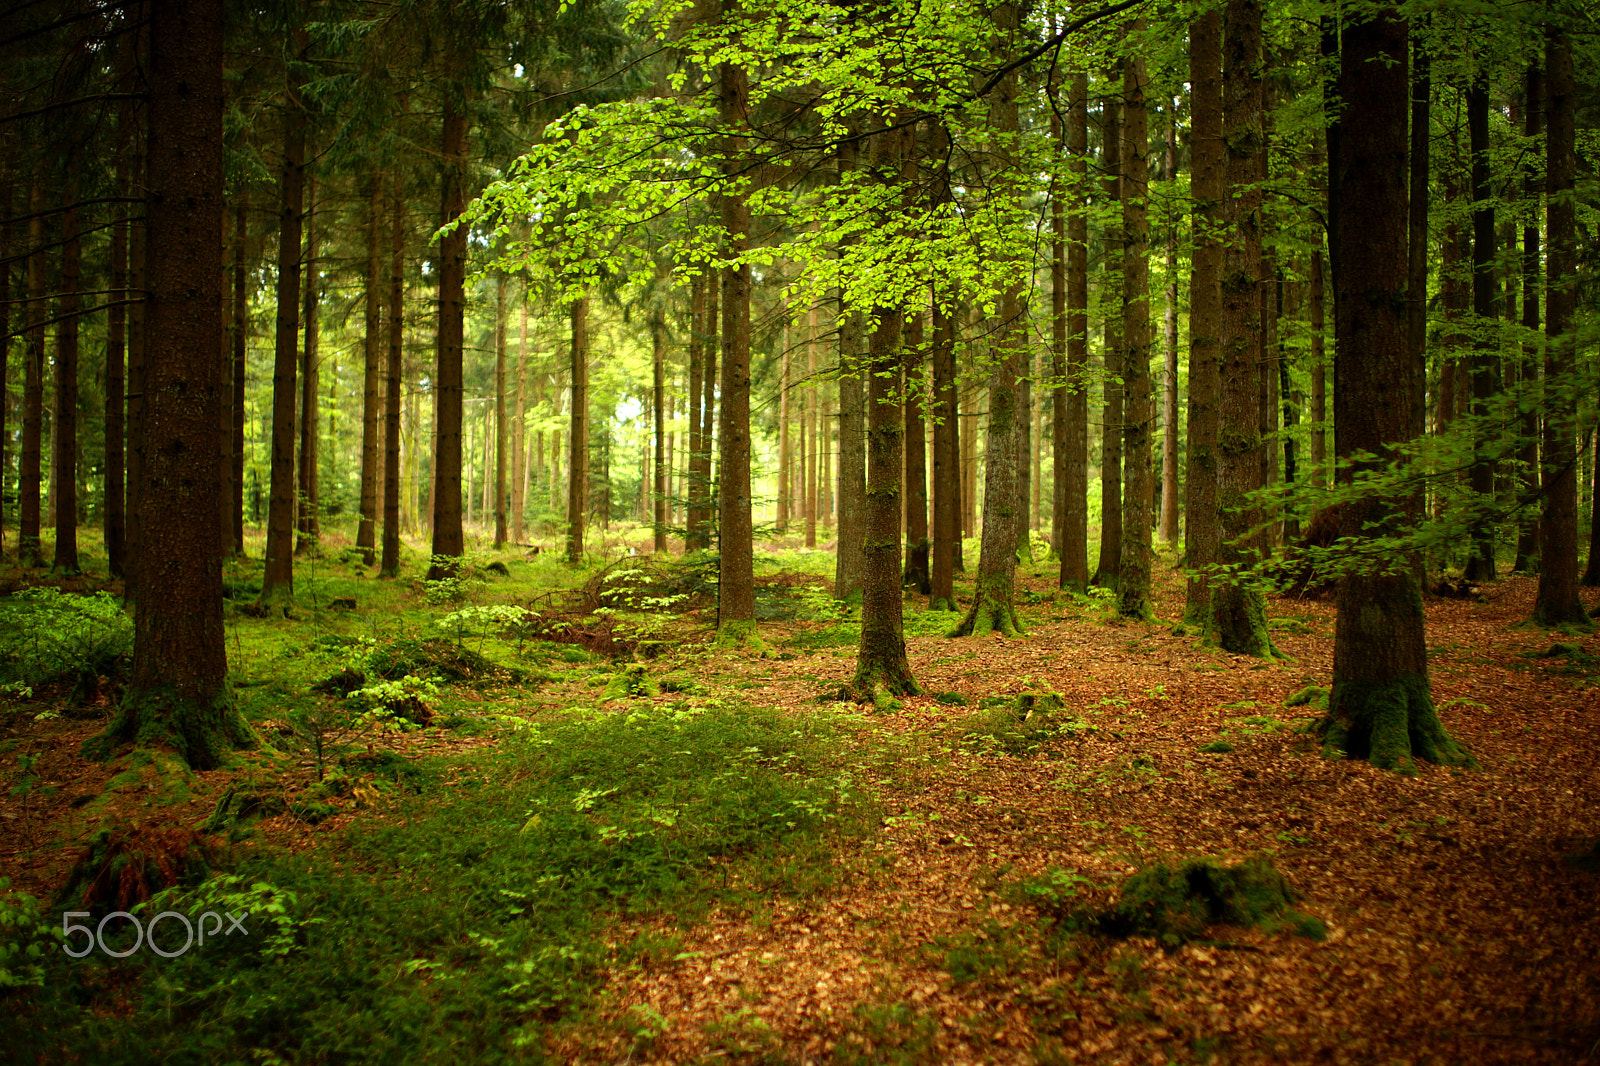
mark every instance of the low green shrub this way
{"type": "Point", "coordinates": [48, 636]}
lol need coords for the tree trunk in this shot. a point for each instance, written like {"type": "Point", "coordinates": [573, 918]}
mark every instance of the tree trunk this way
{"type": "Point", "coordinates": [449, 541]}
{"type": "Point", "coordinates": [1108, 570]}
{"type": "Point", "coordinates": [241, 339]}
{"type": "Point", "coordinates": [811, 459]}
{"type": "Point", "coordinates": [177, 699]}
{"type": "Point", "coordinates": [519, 429]}
{"type": "Point", "coordinates": [946, 463]}
{"type": "Point", "coordinates": [1319, 370]}
{"type": "Point", "coordinates": [1485, 348]}
{"type": "Point", "coordinates": [1060, 390]}
{"type": "Point", "coordinates": [1380, 708]}
{"type": "Point", "coordinates": [658, 337]}
{"type": "Point", "coordinates": [1557, 602]}
{"type": "Point", "coordinates": [1208, 184]}
{"type": "Point", "coordinates": [1074, 547]}
{"type": "Point", "coordinates": [697, 388]}
{"type": "Point", "coordinates": [992, 609]}
{"type": "Point", "coordinates": [64, 438]}
{"type": "Point", "coordinates": [1169, 409]}
{"type": "Point", "coordinates": [29, 551]}
{"type": "Point", "coordinates": [916, 436]}
{"type": "Point", "coordinates": [277, 579]}
{"type": "Point", "coordinates": [1133, 586]}
{"type": "Point", "coordinates": [500, 502]}
{"type": "Point", "coordinates": [1237, 608]}
{"type": "Point", "coordinates": [389, 565]}
{"type": "Point", "coordinates": [116, 391]}
{"type": "Point", "coordinates": [578, 433]}
{"type": "Point", "coordinates": [1528, 453]}
{"type": "Point", "coordinates": [736, 604]}
{"type": "Point", "coordinates": [310, 391]}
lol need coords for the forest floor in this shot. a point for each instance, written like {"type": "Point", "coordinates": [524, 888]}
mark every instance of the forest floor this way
{"type": "Point", "coordinates": [939, 914]}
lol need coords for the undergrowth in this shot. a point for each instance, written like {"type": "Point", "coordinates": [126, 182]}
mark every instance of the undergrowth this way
{"type": "Point", "coordinates": [465, 925]}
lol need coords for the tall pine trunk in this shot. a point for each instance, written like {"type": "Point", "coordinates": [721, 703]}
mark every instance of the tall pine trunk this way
{"type": "Point", "coordinates": [1238, 615]}
{"type": "Point", "coordinates": [500, 411]}
{"type": "Point", "coordinates": [310, 392]}
{"type": "Point", "coordinates": [64, 439]}
{"type": "Point", "coordinates": [1208, 184]}
{"type": "Point", "coordinates": [389, 564]}
{"type": "Point", "coordinates": [1133, 586]}
{"type": "Point", "coordinates": [449, 541]}
{"type": "Point", "coordinates": [277, 579]}
{"type": "Point", "coordinates": [1109, 566]}
{"type": "Point", "coordinates": [28, 466]}
{"type": "Point", "coordinates": [1380, 708]}
{"type": "Point", "coordinates": [1557, 602]}
{"type": "Point", "coordinates": [1074, 547]}
{"type": "Point", "coordinates": [1485, 349]}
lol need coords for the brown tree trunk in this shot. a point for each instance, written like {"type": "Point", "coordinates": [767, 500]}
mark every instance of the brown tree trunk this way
{"type": "Point", "coordinates": [1315, 299]}
{"type": "Point", "coordinates": [1485, 349]}
{"type": "Point", "coordinates": [1528, 454]}
{"type": "Point", "coordinates": [697, 347]}
{"type": "Point", "coordinates": [946, 463]}
{"type": "Point", "coordinates": [992, 609]}
{"type": "Point", "coordinates": [449, 540]}
{"type": "Point", "coordinates": [29, 551]}
{"type": "Point", "coordinates": [1074, 547]}
{"type": "Point", "coordinates": [116, 391]}
{"type": "Point", "coordinates": [519, 429]}
{"type": "Point", "coordinates": [916, 395]}
{"type": "Point", "coordinates": [1109, 567]}
{"type": "Point", "coordinates": [1133, 585]}
{"type": "Point", "coordinates": [241, 339]}
{"type": "Point", "coordinates": [736, 605]}
{"type": "Point", "coordinates": [852, 439]}
{"type": "Point", "coordinates": [658, 337]}
{"type": "Point", "coordinates": [373, 426]}
{"type": "Point", "coordinates": [811, 459]}
{"type": "Point", "coordinates": [177, 699]}
{"type": "Point", "coordinates": [389, 564]}
{"type": "Point", "coordinates": [64, 438]}
{"type": "Point", "coordinates": [1060, 390]}
{"type": "Point", "coordinates": [277, 579]}
{"type": "Point", "coordinates": [1557, 602]}
{"type": "Point", "coordinates": [1169, 407]}
{"type": "Point", "coordinates": [500, 502]}
{"type": "Point", "coordinates": [578, 433]}
{"type": "Point", "coordinates": [1380, 708]}
{"type": "Point", "coordinates": [1208, 184]}
{"type": "Point", "coordinates": [1237, 608]}
{"type": "Point", "coordinates": [310, 390]}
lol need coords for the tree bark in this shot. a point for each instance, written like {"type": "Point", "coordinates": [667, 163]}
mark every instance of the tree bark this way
{"type": "Point", "coordinates": [1108, 569]}
{"type": "Point", "coordinates": [178, 699]}
{"type": "Point", "coordinates": [64, 438]}
{"type": "Point", "coordinates": [992, 609]}
{"type": "Point", "coordinates": [1237, 608]}
{"type": "Point", "coordinates": [658, 337]}
{"type": "Point", "coordinates": [310, 390]}
{"type": "Point", "coordinates": [1208, 184]}
{"type": "Point", "coordinates": [29, 551]}
{"type": "Point", "coordinates": [916, 436]}
{"type": "Point", "coordinates": [116, 391]}
{"type": "Point", "coordinates": [1557, 601]}
{"type": "Point", "coordinates": [946, 463]}
{"type": "Point", "coordinates": [1485, 348]}
{"type": "Point", "coordinates": [1380, 708]}
{"type": "Point", "coordinates": [1528, 455]}
{"type": "Point", "coordinates": [241, 339]}
{"type": "Point", "coordinates": [389, 564]}
{"type": "Point", "coordinates": [1169, 410]}
{"type": "Point", "coordinates": [449, 541]}
{"type": "Point", "coordinates": [736, 605]}
{"type": "Point", "coordinates": [578, 433]}
{"type": "Point", "coordinates": [1133, 586]}
{"type": "Point", "coordinates": [519, 428]}
{"type": "Point", "coordinates": [277, 579]}
{"type": "Point", "coordinates": [1074, 547]}
{"type": "Point", "coordinates": [500, 501]}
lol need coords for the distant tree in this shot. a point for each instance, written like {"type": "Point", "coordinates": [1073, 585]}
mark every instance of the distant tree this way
{"type": "Point", "coordinates": [1133, 585]}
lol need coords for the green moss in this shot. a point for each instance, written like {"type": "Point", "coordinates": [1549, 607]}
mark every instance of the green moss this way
{"type": "Point", "coordinates": [633, 681]}
{"type": "Point", "coordinates": [1315, 696]}
{"type": "Point", "coordinates": [950, 699]}
{"type": "Point", "coordinates": [740, 635]}
{"type": "Point", "coordinates": [1389, 725]}
{"type": "Point", "coordinates": [1217, 747]}
{"type": "Point", "coordinates": [1179, 904]}
{"type": "Point", "coordinates": [1239, 621]}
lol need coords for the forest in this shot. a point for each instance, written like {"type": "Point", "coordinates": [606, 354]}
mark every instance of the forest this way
{"type": "Point", "coordinates": [783, 531]}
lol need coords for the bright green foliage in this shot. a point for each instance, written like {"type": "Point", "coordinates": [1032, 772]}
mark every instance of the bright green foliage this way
{"type": "Point", "coordinates": [461, 929]}
{"type": "Point", "coordinates": [1021, 725]}
{"type": "Point", "coordinates": [47, 635]}
{"type": "Point", "coordinates": [25, 938]}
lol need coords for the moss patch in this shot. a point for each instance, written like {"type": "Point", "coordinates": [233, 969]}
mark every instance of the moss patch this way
{"type": "Point", "coordinates": [1179, 904]}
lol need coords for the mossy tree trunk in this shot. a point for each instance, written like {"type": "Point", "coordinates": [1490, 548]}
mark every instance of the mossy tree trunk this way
{"type": "Point", "coordinates": [882, 671]}
{"type": "Point", "coordinates": [1379, 709]}
{"type": "Point", "coordinates": [1238, 612]}
{"type": "Point", "coordinates": [178, 698]}
{"type": "Point", "coordinates": [1208, 162]}
{"type": "Point", "coordinates": [992, 609]}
